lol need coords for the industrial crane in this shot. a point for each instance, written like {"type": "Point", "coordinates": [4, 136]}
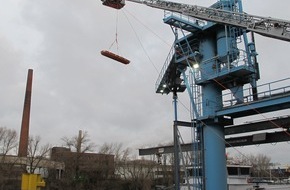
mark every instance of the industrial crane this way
{"type": "Point", "coordinates": [267, 26]}
{"type": "Point", "coordinates": [222, 66]}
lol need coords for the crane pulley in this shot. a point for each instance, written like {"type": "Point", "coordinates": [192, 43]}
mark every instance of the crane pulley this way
{"type": "Point", "coordinates": [266, 26]}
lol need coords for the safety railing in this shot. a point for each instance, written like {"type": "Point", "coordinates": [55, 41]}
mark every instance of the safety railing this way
{"type": "Point", "coordinates": [212, 67]}
{"type": "Point", "coordinates": [186, 18]}
{"type": "Point", "coordinates": [268, 90]}
{"type": "Point", "coordinates": [164, 68]}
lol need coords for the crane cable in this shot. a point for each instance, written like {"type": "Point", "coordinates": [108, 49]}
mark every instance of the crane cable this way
{"type": "Point", "coordinates": [116, 33]}
{"type": "Point", "coordinates": [245, 103]}
{"type": "Point", "coordinates": [158, 36]}
{"type": "Point", "coordinates": [150, 60]}
{"type": "Point", "coordinates": [149, 29]}
{"type": "Point", "coordinates": [220, 84]}
{"type": "Point", "coordinates": [254, 109]}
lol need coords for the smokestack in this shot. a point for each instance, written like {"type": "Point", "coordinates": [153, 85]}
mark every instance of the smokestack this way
{"type": "Point", "coordinates": [24, 134]}
{"type": "Point", "coordinates": [79, 143]}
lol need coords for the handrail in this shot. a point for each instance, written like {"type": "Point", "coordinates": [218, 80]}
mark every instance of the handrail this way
{"type": "Point", "coordinates": [165, 66]}
{"type": "Point", "coordinates": [267, 90]}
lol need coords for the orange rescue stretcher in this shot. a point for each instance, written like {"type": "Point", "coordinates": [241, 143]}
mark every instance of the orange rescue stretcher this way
{"type": "Point", "coordinates": [115, 57]}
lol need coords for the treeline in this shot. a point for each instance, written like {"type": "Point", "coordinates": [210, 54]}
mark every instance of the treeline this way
{"type": "Point", "coordinates": [81, 171]}
{"type": "Point", "coordinates": [111, 167]}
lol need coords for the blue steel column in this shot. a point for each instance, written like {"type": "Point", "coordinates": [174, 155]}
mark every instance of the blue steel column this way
{"type": "Point", "coordinates": [214, 154]}
{"type": "Point", "coordinates": [176, 149]}
{"type": "Point", "coordinates": [214, 147]}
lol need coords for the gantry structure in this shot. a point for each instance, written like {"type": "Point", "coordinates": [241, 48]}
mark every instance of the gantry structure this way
{"type": "Point", "coordinates": [214, 59]}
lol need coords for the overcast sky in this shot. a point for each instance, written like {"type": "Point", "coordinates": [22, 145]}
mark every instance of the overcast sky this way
{"type": "Point", "coordinates": [76, 88]}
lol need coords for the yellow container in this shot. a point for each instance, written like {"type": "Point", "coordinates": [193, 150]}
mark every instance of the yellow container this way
{"type": "Point", "coordinates": [32, 182]}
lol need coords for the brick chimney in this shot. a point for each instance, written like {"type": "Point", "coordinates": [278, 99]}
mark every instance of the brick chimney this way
{"type": "Point", "coordinates": [24, 134]}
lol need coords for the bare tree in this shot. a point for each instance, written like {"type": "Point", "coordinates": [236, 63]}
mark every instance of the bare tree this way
{"type": "Point", "coordinates": [139, 174]}
{"type": "Point", "coordinates": [36, 153]}
{"type": "Point", "coordinates": [120, 153]}
{"type": "Point", "coordinates": [134, 173]}
{"type": "Point", "coordinates": [8, 140]}
{"type": "Point", "coordinates": [80, 143]}
{"type": "Point", "coordinates": [260, 164]}
{"type": "Point", "coordinates": [8, 143]}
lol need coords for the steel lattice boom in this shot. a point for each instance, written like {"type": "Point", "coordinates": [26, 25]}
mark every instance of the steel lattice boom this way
{"type": "Point", "coordinates": [270, 27]}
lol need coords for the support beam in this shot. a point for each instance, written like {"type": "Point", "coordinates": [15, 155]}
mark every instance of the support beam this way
{"type": "Point", "coordinates": [269, 104]}
{"type": "Point", "coordinates": [262, 138]}
{"type": "Point", "coordinates": [273, 123]}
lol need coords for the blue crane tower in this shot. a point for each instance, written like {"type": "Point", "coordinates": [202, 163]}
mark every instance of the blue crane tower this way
{"type": "Point", "coordinates": [210, 51]}
{"type": "Point", "coordinates": [221, 61]}
{"type": "Point", "coordinates": [214, 58]}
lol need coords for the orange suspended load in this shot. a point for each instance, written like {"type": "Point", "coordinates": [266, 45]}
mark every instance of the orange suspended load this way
{"type": "Point", "coordinates": [115, 57]}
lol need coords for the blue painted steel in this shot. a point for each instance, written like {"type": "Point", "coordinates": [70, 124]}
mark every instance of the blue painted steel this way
{"type": "Point", "coordinates": [176, 148]}
{"type": "Point", "coordinates": [193, 104]}
{"type": "Point", "coordinates": [251, 52]}
{"type": "Point", "coordinates": [214, 158]}
{"type": "Point", "coordinates": [214, 149]}
{"type": "Point", "coordinates": [213, 134]}
{"type": "Point", "coordinates": [214, 153]}
{"type": "Point", "coordinates": [214, 47]}
{"type": "Point", "coordinates": [227, 50]}
{"type": "Point", "coordinates": [208, 51]}
{"type": "Point", "coordinates": [176, 20]}
{"type": "Point", "coordinates": [211, 91]}
{"type": "Point", "coordinates": [256, 107]}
